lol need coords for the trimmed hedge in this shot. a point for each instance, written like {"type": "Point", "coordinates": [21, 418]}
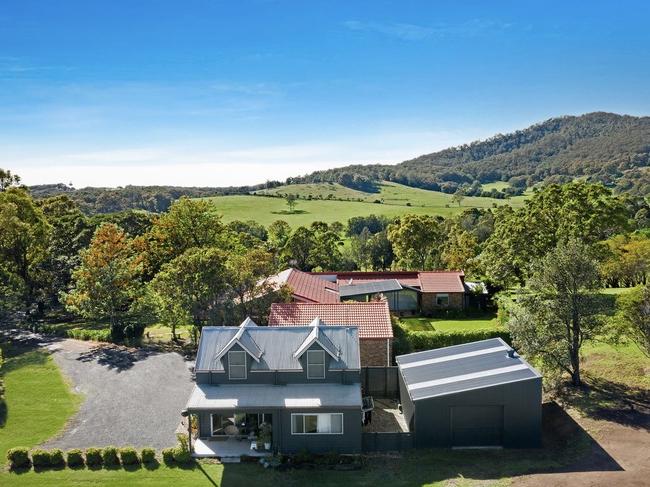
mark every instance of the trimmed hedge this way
{"type": "Point", "coordinates": [148, 455]}
{"type": "Point", "coordinates": [56, 458]}
{"type": "Point", "coordinates": [168, 455]}
{"type": "Point", "coordinates": [129, 456]}
{"type": "Point", "coordinates": [109, 457]}
{"type": "Point", "coordinates": [427, 340]}
{"type": "Point", "coordinates": [18, 458]}
{"type": "Point", "coordinates": [94, 457]}
{"type": "Point", "coordinates": [41, 458]}
{"type": "Point", "coordinates": [75, 458]}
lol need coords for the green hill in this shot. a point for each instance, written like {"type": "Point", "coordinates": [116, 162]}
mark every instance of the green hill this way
{"type": "Point", "coordinates": [598, 147]}
{"type": "Point", "coordinates": [397, 200]}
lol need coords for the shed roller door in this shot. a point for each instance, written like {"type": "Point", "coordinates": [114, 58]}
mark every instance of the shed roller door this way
{"type": "Point", "coordinates": [477, 425]}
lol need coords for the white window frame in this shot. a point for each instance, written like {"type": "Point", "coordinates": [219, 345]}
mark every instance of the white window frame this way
{"type": "Point", "coordinates": [442, 295]}
{"type": "Point", "coordinates": [317, 415]}
{"type": "Point", "coordinates": [230, 366]}
{"type": "Point", "coordinates": [321, 352]}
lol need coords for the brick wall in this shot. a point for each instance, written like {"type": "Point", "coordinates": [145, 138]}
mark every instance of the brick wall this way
{"type": "Point", "coordinates": [429, 301]}
{"type": "Point", "coordinates": [373, 352]}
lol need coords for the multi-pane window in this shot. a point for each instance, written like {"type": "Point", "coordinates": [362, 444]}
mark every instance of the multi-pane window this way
{"type": "Point", "coordinates": [236, 365]}
{"type": "Point", "coordinates": [315, 364]}
{"type": "Point", "coordinates": [317, 424]}
{"type": "Point", "coordinates": [442, 300]}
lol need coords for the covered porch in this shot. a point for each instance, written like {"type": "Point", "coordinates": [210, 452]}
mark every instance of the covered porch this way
{"type": "Point", "coordinates": [227, 447]}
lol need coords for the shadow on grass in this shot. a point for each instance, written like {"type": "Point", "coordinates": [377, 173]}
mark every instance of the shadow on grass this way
{"type": "Point", "coordinates": [207, 475]}
{"type": "Point", "coordinates": [151, 465]}
{"type": "Point", "coordinates": [287, 212]}
{"type": "Point", "coordinates": [603, 399]}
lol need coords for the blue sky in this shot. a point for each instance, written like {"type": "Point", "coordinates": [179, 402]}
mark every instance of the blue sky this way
{"type": "Point", "coordinates": [217, 93]}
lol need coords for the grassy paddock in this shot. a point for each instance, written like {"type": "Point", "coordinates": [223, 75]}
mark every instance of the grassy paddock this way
{"type": "Point", "coordinates": [39, 402]}
{"type": "Point", "coordinates": [474, 322]}
{"type": "Point", "coordinates": [397, 200]}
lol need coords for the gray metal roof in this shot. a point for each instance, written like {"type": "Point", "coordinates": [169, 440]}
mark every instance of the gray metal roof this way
{"type": "Point", "coordinates": [278, 345]}
{"type": "Point", "coordinates": [370, 287]}
{"type": "Point", "coordinates": [230, 396]}
{"type": "Point", "coordinates": [459, 368]}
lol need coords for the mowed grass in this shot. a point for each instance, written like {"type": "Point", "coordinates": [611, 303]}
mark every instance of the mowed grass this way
{"type": "Point", "coordinates": [416, 468]}
{"type": "Point", "coordinates": [397, 200]}
{"type": "Point", "coordinates": [474, 322]}
{"type": "Point", "coordinates": [39, 402]}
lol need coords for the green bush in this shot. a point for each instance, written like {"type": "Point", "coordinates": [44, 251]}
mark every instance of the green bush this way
{"type": "Point", "coordinates": [41, 458]}
{"type": "Point", "coordinates": [93, 457]}
{"type": "Point", "coordinates": [18, 458]}
{"type": "Point", "coordinates": [168, 455]}
{"type": "Point", "coordinates": [109, 457]}
{"type": "Point", "coordinates": [56, 458]}
{"type": "Point", "coordinates": [427, 340]}
{"type": "Point", "coordinates": [85, 334]}
{"type": "Point", "coordinates": [181, 455]}
{"type": "Point", "coordinates": [129, 456]}
{"type": "Point", "coordinates": [75, 458]}
{"type": "Point", "coordinates": [148, 455]}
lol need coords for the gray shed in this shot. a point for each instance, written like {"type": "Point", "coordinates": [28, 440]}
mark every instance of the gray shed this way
{"type": "Point", "coordinates": [479, 394]}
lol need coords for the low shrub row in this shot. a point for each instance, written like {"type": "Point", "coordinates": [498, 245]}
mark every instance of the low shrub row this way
{"type": "Point", "coordinates": [407, 341]}
{"type": "Point", "coordinates": [103, 335]}
{"type": "Point", "coordinates": [22, 458]}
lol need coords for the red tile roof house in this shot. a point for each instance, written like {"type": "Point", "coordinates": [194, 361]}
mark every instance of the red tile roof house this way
{"type": "Point", "coordinates": [406, 291]}
{"type": "Point", "coordinates": [373, 320]}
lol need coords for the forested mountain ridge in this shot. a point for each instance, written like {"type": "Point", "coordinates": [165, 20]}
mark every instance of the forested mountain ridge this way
{"type": "Point", "coordinates": [605, 147]}
{"type": "Point", "coordinates": [598, 147]}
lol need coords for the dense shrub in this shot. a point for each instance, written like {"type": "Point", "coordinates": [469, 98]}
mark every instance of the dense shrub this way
{"type": "Point", "coordinates": [56, 458]}
{"type": "Point", "coordinates": [18, 458]}
{"type": "Point", "coordinates": [94, 335]}
{"type": "Point", "coordinates": [75, 458]}
{"type": "Point", "coordinates": [109, 456]}
{"type": "Point", "coordinates": [93, 457]}
{"type": "Point", "coordinates": [427, 340]}
{"type": "Point", "coordinates": [168, 455]}
{"type": "Point", "coordinates": [129, 456]}
{"type": "Point", "coordinates": [41, 458]}
{"type": "Point", "coordinates": [148, 455]}
{"type": "Point", "coordinates": [181, 455]}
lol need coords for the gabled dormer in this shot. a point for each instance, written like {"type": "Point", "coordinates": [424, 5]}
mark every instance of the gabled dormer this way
{"type": "Point", "coordinates": [239, 351]}
{"type": "Point", "coordinates": [313, 352]}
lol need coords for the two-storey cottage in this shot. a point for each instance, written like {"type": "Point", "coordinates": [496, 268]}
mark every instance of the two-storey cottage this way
{"type": "Point", "coordinates": [304, 381]}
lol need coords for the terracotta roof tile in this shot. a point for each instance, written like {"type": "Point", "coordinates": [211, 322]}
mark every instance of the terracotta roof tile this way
{"type": "Point", "coordinates": [307, 287]}
{"type": "Point", "coordinates": [441, 282]}
{"type": "Point", "coordinates": [373, 319]}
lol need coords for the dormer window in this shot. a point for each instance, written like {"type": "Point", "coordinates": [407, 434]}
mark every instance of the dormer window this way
{"type": "Point", "coordinates": [315, 364]}
{"type": "Point", "coordinates": [237, 365]}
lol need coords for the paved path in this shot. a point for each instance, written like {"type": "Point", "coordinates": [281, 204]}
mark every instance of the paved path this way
{"type": "Point", "coordinates": [132, 397]}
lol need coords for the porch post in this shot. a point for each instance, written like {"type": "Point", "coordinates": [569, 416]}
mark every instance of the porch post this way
{"type": "Point", "coordinates": [185, 413]}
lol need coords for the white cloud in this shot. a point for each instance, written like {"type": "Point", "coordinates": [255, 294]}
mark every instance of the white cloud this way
{"type": "Point", "coordinates": [414, 32]}
{"type": "Point", "coordinates": [202, 164]}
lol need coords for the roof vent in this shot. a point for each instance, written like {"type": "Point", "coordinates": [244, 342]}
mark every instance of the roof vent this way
{"type": "Point", "coordinates": [511, 353]}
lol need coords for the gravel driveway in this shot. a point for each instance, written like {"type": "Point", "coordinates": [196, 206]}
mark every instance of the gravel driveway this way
{"type": "Point", "coordinates": [131, 397]}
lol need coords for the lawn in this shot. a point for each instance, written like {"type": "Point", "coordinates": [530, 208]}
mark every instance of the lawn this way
{"type": "Point", "coordinates": [39, 402]}
{"type": "Point", "coordinates": [473, 322]}
{"type": "Point", "coordinates": [397, 200]}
